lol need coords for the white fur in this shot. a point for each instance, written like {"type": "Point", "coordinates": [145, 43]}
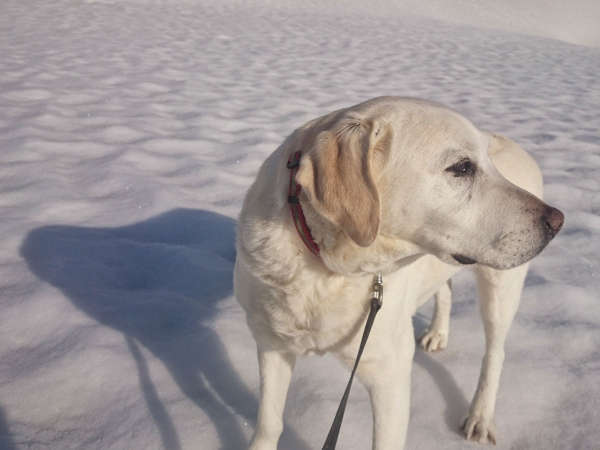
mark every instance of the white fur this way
{"type": "Point", "coordinates": [297, 303]}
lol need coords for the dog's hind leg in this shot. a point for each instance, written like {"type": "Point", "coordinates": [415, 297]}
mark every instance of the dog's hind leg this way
{"type": "Point", "coordinates": [275, 375]}
{"type": "Point", "coordinates": [436, 337]}
{"type": "Point", "coordinates": [499, 295]}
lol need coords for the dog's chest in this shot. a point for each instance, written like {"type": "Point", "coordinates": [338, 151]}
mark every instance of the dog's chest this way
{"type": "Point", "coordinates": [314, 311]}
{"type": "Point", "coordinates": [319, 313]}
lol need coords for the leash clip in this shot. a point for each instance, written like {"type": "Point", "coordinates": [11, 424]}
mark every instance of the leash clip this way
{"type": "Point", "coordinates": [378, 289]}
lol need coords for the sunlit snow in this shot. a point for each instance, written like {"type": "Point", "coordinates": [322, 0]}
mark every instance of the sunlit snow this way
{"type": "Point", "coordinates": [129, 133]}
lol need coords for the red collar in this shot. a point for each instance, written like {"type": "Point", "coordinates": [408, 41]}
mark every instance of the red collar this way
{"type": "Point", "coordinates": [295, 208]}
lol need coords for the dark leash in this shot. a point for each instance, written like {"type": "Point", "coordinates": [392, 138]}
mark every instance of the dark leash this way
{"type": "Point", "coordinates": [376, 302]}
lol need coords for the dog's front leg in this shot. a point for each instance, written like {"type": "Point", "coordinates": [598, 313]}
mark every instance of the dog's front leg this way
{"type": "Point", "coordinates": [499, 294]}
{"type": "Point", "coordinates": [387, 379]}
{"type": "Point", "coordinates": [275, 375]}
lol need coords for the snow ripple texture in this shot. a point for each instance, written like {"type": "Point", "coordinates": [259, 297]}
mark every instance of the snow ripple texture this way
{"type": "Point", "coordinates": [129, 133]}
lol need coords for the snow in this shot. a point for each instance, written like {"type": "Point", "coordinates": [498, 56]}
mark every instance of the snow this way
{"type": "Point", "coordinates": [575, 21]}
{"type": "Point", "coordinates": [129, 134]}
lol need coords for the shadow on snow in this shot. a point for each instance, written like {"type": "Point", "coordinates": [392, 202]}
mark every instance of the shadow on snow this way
{"type": "Point", "coordinates": [159, 282]}
{"type": "Point", "coordinates": [6, 440]}
{"type": "Point", "coordinates": [457, 404]}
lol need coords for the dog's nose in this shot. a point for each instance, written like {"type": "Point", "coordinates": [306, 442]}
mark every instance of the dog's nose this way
{"type": "Point", "coordinates": [553, 220]}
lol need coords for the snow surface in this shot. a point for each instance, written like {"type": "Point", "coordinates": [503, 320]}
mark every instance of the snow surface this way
{"type": "Point", "coordinates": [129, 134]}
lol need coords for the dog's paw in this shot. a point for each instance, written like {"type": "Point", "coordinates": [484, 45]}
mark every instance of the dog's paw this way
{"type": "Point", "coordinates": [479, 429]}
{"type": "Point", "coordinates": [434, 340]}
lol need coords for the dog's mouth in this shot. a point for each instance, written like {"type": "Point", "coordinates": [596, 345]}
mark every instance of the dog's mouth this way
{"type": "Point", "coordinates": [464, 259]}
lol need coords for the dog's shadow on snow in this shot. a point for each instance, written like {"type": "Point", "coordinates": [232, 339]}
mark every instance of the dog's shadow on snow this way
{"type": "Point", "coordinates": [6, 440]}
{"type": "Point", "coordinates": [159, 282]}
{"type": "Point", "coordinates": [456, 403]}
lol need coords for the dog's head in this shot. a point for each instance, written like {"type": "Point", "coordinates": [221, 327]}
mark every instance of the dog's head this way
{"type": "Point", "coordinates": [419, 172]}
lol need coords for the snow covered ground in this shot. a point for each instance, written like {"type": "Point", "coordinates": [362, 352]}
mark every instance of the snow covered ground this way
{"type": "Point", "coordinates": [129, 132]}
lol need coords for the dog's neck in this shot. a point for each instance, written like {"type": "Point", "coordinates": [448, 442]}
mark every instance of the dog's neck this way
{"type": "Point", "coordinates": [341, 255]}
{"type": "Point", "coordinates": [269, 242]}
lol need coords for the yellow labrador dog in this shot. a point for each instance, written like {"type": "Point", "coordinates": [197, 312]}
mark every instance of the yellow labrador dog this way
{"type": "Point", "coordinates": [395, 185]}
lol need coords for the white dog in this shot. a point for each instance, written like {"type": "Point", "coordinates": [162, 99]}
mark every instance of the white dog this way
{"type": "Point", "coordinates": [395, 185]}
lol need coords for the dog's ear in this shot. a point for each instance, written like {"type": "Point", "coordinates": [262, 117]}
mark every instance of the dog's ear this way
{"type": "Point", "coordinates": [338, 176]}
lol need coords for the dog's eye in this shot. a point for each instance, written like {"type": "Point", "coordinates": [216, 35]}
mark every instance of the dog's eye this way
{"type": "Point", "coordinates": [463, 168]}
